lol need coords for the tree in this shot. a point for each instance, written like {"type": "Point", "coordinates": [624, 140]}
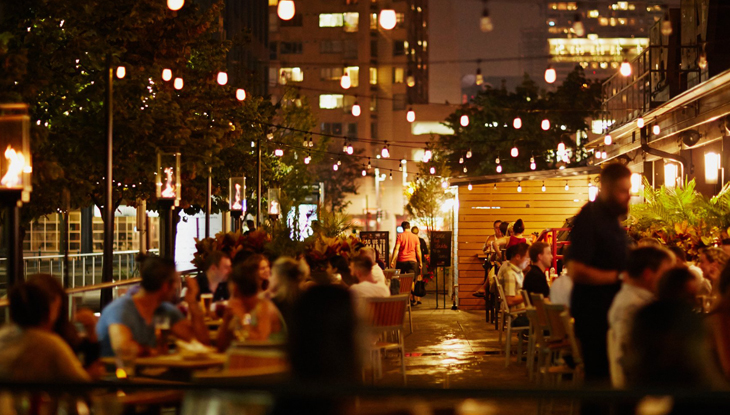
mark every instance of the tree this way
{"type": "Point", "coordinates": [338, 184]}
{"type": "Point", "coordinates": [426, 193]}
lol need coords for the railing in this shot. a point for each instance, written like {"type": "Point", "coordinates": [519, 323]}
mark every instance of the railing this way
{"type": "Point", "coordinates": [550, 236]}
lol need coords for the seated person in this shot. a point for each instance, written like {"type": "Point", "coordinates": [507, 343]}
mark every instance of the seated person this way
{"type": "Point", "coordinates": [128, 323]}
{"type": "Point", "coordinates": [542, 259]}
{"type": "Point", "coordinates": [377, 271]}
{"type": "Point", "coordinates": [29, 349]}
{"type": "Point", "coordinates": [287, 275]}
{"type": "Point", "coordinates": [338, 270]}
{"type": "Point", "coordinates": [510, 277]}
{"type": "Point", "coordinates": [214, 279]}
{"type": "Point", "coordinates": [361, 267]}
{"type": "Point", "coordinates": [249, 316]}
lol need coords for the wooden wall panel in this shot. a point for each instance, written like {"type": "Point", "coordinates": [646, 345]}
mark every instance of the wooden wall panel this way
{"type": "Point", "coordinates": [485, 203]}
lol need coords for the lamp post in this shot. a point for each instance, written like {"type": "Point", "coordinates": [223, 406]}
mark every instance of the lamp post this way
{"type": "Point", "coordinates": [237, 200]}
{"type": "Point", "coordinates": [168, 186]}
{"type": "Point", "coordinates": [15, 183]}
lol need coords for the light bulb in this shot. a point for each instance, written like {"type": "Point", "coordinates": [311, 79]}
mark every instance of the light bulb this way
{"type": "Point", "coordinates": [339, 162]}
{"type": "Point", "coordinates": [543, 187]}
{"type": "Point", "coordinates": [604, 155]}
{"type": "Point", "coordinates": [175, 5]}
{"type": "Point", "coordinates": [307, 159]}
{"type": "Point", "coordinates": [411, 115]}
{"type": "Point", "coordinates": [335, 167]}
{"type": "Point", "coordinates": [121, 72]}
{"type": "Point", "coordinates": [178, 84]}
{"type": "Point", "coordinates": [578, 26]}
{"type": "Point", "coordinates": [470, 186]}
{"type": "Point", "coordinates": [519, 187]}
{"type": "Point", "coordinates": [550, 75]}
{"type": "Point", "coordinates": [468, 154]}
{"type": "Point", "coordinates": [222, 78]}
{"type": "Point", "coordinates": [598, 154]}
{"type": "Point", "coordinates": [345, 80]}
{"type": "Point", "coordinates": [640, 122]}
{"type": "Point", "coordinates": [532, 159]}
{"type": "Point", "coordinates": [566, 186]}
{"type": "Point", "coordinates": [364, 173]}
{"type": "Point", "coordinates": [350, 150]}
{"type": "Point", "coordinates": [356, 110]}
{"type": "Point", "coordinates": [702, 60]}
{"type": "Point", "coordinates": [385, 153]}
{"type": "Point", "coordinates": [496, 161]}
{"type": "Point", "coordinates": [427, 155]}
{"type": "Point", "coordinates": [485, 23]}
{"type": "Point", "coordinates": [656, 129]}
{"type": "Point", "coordinates": [311, 143]}
{"type": "Point", "coordinates": [479, 77]}
{"type": "Point", "coordinates": [625, 68]}
{"type": "Point", "coordinates": [464, 120]}
{"type": "Point", "coordinates": [514, 152]}
{"type": "Point", "coordinates": [391, 176]}
{"type": "Point", "coordinates": [387, 19]}
{"type": "Point", "coordinates": [344, 148]}
{"type": "Point", "coordinates": [240, 94]}
{"type": "Point", "coordinates": [286, 9]}
{"type": "Point", "coordinates": [517, 123]}
{"type": "Point", "coordinates": [278, 152]}
{"type": "Point", "coordinates": [608, 140]}
{"type": "Point", "coordinates": [465, 169]}
{"type": "Point", "coordinates": [370, 166]}
{"type": "Point", "coordinates": [410, 80]}
{"type": "Point", "coordinates": [499, 168]}
{"type": "Point", "coordinates": [545, 124]}
{"type": "Point", "coordinates": [666, 25]}
{"type": "Point", "coordinates": [445, 184]}
{"type": "Point", "coordinates": [533, 166]}
{"type": "Point", "coordinates": [166, 74]}
{"type": "Point", "coordinates": [461, 160]}
{"type": "Point", "coordinates": [561, 147]}
{"type": "Point", "coordinates": [432, 170]}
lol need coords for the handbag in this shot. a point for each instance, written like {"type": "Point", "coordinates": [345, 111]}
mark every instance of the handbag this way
{"type": "Point", "coordinates": [394, 286]}
{"type": "Point", "coordinates": [419, 289]}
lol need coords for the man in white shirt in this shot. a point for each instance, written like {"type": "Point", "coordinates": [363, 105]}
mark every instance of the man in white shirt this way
{"type": "Point", "coordinates": [644, 267]}
{"type": "Point", "coordinates": [377, 272]}
{"type": "Point", "coordinates": [361, 267]}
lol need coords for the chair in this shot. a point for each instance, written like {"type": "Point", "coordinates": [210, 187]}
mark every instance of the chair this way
{"type": "Point", "coordinates": [617, 373]}
{"type": "Point", "coordinates": [561, 324]}
{"type": "Point", "coordinates": [548, 341]}
{"type": "Point", "coordinates": [406, 282]}
{"type": "Point", "coordinates": [390, 273]}
{"type": "Point", "coordinates": [507, 317]}
{"type": "Point", "coordinates": [386, 315]}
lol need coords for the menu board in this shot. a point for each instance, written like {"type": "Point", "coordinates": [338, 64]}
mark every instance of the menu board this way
{"type": "Point", "coordinates": [441, 249]}
{"type": "Point", "coordinates": [380, 241]}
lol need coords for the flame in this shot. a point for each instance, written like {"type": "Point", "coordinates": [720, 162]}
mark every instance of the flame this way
{"type": "Point", "coordinates": [237, 202]}
{"type": "Point", "coordinates": [121, 374]}
{"type": "Point", "coordinates": [274, 209]}
{"type": "Point", "coordinates": [16, 167]}
{"type": "Point", "coordinates": [169, 192]}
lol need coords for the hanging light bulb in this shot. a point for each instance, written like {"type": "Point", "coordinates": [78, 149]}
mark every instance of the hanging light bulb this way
{"type": "Point", "coordinates": [222, 78]}
{"type": "Point", "coordinates": [608, 140]}
{"type": "Point", "coordinates": [269, 136]}
{"type": "Point", "coordinates": [305, 143]}
{"type": "Point", "coordinates": [496, 161]}
{"type": "Point", "coordinates": [468, 154]}
{"type": "Point", "coordinates": [514, 152]}
{"type": "Point", "coordinates": [543, 187]}
{"type": "Point", "coordinates": [356, 109]}
{"type": "Point", "coordinates": [470, 187]}
{"type": "Point", "coordinates": [625, 68]}
{"type": "Point", "coordinates": [364, 173]}
{"type": "Point", "coordinates": [517, 123]}
{"type": "Point", "coordinates": [410, 79]}
{"type": "Point", "coordinates": [479, 77]}
{"type": "Point", "coordinates": [465, 169]}
{"type": "Point", "coordinates": [499, 168]}
{"type": "Point", "coordinates": [344, 147]}
{"type": "Point", "coordinates": [545, 124]}
{"type": "Point", "coordinates": [387, 19]}
{"type": "Point", "coordinates": [578, 26]}
{"type": "Point", "coordinates": [566, 186]}
{"type": "Point", "coordinates": [656, 129]}
{"type": "Point", "coordinates": [121, 72]}
{"type": "Point", "coordinates": [285, 9]}
{"type": "Point", "coordinates": [411, 115]}
{"type": "Point", "coordinates": [345, 80]}
{"type": "Point", "coordinates": [432, 170]}
{"type": "Point", "coordinates": [640, 122]}
{"type": "Point", "coordinates": [178, 84]}
{"type": "Point", "coordinates": [427, 155]}
{"type": "Point", "coordinates": [598, 154]}
{"type": "Point", "coordinates": [550, 74]}
{"type": "Point", "coordinates": [666, 24]}
{"type": "Point", "coordinates": [335, 167]}
{"type": "Point", "coordinates": [533, 166]}
{"type": "Point", "coordinates": [485, 23]}
{"type": "Point", "coordinates": [702, 59]}
{"type": "Point", "coordinates": [561, 147]}
{"type": "Point", "coordinates": [604, 155]}
{"type": "Point", "coordinates": [339, 162]}
{"type": "Point", "coordinates": [464, 120]}
{"type": "Point", "coordinates": [519, 187]}
{"type": "Point", "coordinates": [240, 94]}
{"type": "Point", "coordinates": [495, 186]}
{"type": "Point", "coordinates": [370, 166]}
{"type": "Point", "coordinates": [175, 5]}
{"type": "Point", "coordinates": [400, 167]}
{"type": "Point", "coordinates": [166, 74]}
{"type": "Point", "coordinates": [445, 184]}
{"type": "Point", "coordinates": [391, 175]}
{"type": "Point", "coordinates": [461, 160]}
{"type": "Point", "coordinates": [307, 159]}
{"type": "Point", "coordinates": [385, 153]}
{"type": "Point", "coordinates": [278, 152]}
{"type": "Point", "coordinates": [350, 149]}
{"type": "Point", "coordinates": [311, 142]}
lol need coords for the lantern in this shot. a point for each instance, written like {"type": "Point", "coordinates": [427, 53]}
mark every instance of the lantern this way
{"type": "Point", "coordinates": [274, 205]}
{"type": "Point", "coordinates": [237, 194]}
{"type": "Point", "coordinates": [168, 176]}
{"type": "Point", "coordinates": [15, 163]}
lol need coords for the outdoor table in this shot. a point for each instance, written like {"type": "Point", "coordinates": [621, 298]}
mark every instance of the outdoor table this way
{"type": "Point", "coordinates": [176, 361]}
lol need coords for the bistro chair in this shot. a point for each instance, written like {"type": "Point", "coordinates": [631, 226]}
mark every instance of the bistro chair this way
{"type": "Point", "coordinates": [390, 273]}
{"type": "Point", "coordinates": [387, 315]}
{"type": "Point", "coordinates": [507, 317]}
{"type": "Point", "coordinates": [406, 284]}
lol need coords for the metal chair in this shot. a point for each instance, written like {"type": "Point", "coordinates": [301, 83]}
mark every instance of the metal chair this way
{"type": "Point", "coordinates": [387, 315]}
{"type": "Point", "coordinates": [406, 283]}
{"type": "Point", "coordinates": [507, 317]}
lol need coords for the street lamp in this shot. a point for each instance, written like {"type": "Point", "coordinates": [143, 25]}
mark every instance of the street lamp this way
{"type": "Point", "coordinates": [15, 184]}
{"type": "Point", "coordinates": [237, 199]}
{"type": "Point", "coordinates": [168, 186]}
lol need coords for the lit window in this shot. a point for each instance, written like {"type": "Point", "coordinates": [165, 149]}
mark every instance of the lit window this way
{"type": "Point", "coordinates": [398, 75]}
{"type": "Point", "coordinates": [603, 21]}
{"type": "Point", "coordinates": [623, 5]}
{"type": "Point", "coordinates": [612, 22]}
{"type": "Point", "coordinates": [572, 6]}
{"type": "Point", "coordinates": [331, 20]}
{"type": "Point", "coordinates": [373, 21]}
{"type": "Point", "coordinates": [352, 21]}
{"type": "Point", "coordinates": [593, 13]}
{"type": "Point", "coordinates": [373, 76]}
{"type": "Point", "coordinates": [622, 21]}
{"type": "Point", "coordinates": [273, 2]}
{"type": "Point", "coordinates": [330, 74]}
{"type": "Point", "coordinates": [354, 73]}
{"type": "Point", "coordinates": [331, 101]}
{"type": "Point", "coordinates": [632, 7]}
{"type": "Point", "coordinates": [291, 75]}
{"type": "Point", "coordinates": [604, 65]}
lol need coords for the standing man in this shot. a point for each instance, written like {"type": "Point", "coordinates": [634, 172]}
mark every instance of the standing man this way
{"type": "Point", "coordinates": [541, 256]}
{"type": "Point", "coordinates": [407, 253]}
{"type": "Point", "coordinates": [598, 254]}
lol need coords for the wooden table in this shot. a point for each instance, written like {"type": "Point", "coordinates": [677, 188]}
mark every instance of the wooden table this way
{"type": "Point", "coordinates": [176, 361]}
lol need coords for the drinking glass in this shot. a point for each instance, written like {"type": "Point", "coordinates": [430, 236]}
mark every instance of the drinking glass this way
{"type": "Point", "coordinates": [125, 357]}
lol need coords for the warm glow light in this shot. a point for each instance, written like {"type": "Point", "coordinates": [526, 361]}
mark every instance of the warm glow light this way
{"type": "Point", "coordinates": [240, 94]}
{"type": "Point", "coordinates": [545, 124]}
{"type": "Point", "coordinates": [550, 75]}
{"type": "Point", "coordinates": [387, 19]}
{"type": "Point", "coordinates": [410, 80]}
{"type": "Point", "coordinates": [712, 166]}
{"type": "Point", "coordinates": [640, 122]}
{"type": "Point", "coordinates": [592, 192]}
{"type": "Point", "coordinates": [579, 28]}
{"type": "Point", "coordinates": [411, 115]}
{"type": "Point", "coordinates": [470, 186]}
{"type": "Point", "coordinates": [561, 147]}
{"type": "Point", "coordinates": [519, 187]}
{"type": "Point", "coordinates": [485, 22]}
{"type": "Point", "coordinates": [279, 152]}
{"type": "Point", "coordinates": [608, 140]}
{"type": "Point", "coordinates": [656, 129]}
{"type": "Point", "coordinates": [385, 153]}
{"type": "Point", "coordinates": [16, 166]}
{"type": "Point", "coordinates": [121, 72]}
{"type": "Point", "coordinates": [533, 166]}
{"type": "Point", "coordinates": [175, 5]}
{"type": "Point", "coordinates": [479, 77]}
{"type": "Point", "coordinates": [543, 187]}
{"type": "Point", "coordinates": [335, 167]}
{"type": "Point", "coordinates": [514, 152]}
{"type": "Point", "coordinates": [670, 174]}
{"type": "Point", "coordinates": [499, 168]}
{"type": "Point", "coordinates": [364, 173]}
{"type": "Point", "coordinates": [166, 74]}
{"type": "Point", "coordinates": [356, 110]}
{"type": "Point", "coordinates": [285, 10]}
{"type": "Point", "coordinates": [517, 123]}
{"type": "Point", "coordinates": [625, 68]}
{"type": "Point", "coordinates": [635, 183]}
{"type": "Point", "coordinates": [604, 155]}
{"type": "Point", "coordinates": [468, 154]}
{"type": "Point", "coordinates": [222, 78]}
{"type": "Point", "coordinates": [432, 170]}
{"type": "Point", "coordinates": [307, 159]}
{"type": "Point", "coordinates": [121, 374]}
{"type": "Point", "coordinates": [345, 81]}
{"type": "Point", "coordinates": [566, 186]}
{"type": "Point", "coordinates": [427, 155]}
{"type": "Point", "coordinates": [666, 25]}
{"type": "Point", "coordinates": [598, 154]}
{"type": "Point", "coordinates": [702, 60]}
{"type": "Point", "coordinates": [178, 84]}
{"type": "Point", "coordinates": [350, 149]}
{"type": "Point", "coordinates": [464, 121]}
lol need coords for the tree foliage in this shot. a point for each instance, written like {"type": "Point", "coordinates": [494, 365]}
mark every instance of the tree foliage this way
{"type": "Point", "coordinates": [426, 193]}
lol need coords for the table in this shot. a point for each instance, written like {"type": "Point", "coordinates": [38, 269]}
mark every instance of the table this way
{"type": "Point", "coordinates": [176, 361]}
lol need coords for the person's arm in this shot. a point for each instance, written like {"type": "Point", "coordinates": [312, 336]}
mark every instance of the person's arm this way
{"type": "Point", "coordinates": [396, 250]}
{"type": "Point", "coordinates": [586, 274]}
{"type": "Point", "coordinates": [419, 257]}
{"type": "Point", "coordinates": [513, 300]}
{"type": "Point", "coordinates": [67, 364]}
{"type": "Point", "coordinates": [225, 335]}
{"type": "Point", "coordinates": [264, 326]}
{"type": "Point", "coordinates": [121, 338]}
{"type": "Point", "coordinates": [195, 327]}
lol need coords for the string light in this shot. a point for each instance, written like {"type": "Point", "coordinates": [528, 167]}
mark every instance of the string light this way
{"type": "Point", "coordinates": [345, 82]}
{"type": "Point", "coordinates": [222, 78]}
{"type": "Point", "coordinates": [598, 154]}
{"type": "Point", "coordinates": [666, 25]}
{"type": "Point", "coordinates": [121, 72]}
{"type": "Point", "coordinates": [364, 173]}
{"type": "Point", "coordinates": [499, 168]}
{"type": "Point", "coordinates": [278, 152]}
{"type": "Point", "coordinates": [533, 166]}
{"type": "Point", "coordinates": [543, 186]}
{"type": "Point", "coordinates": [411, 115]}
{"type": "Point", "coordinates": [339, 162]}
{"type": "Point", "coordinates": [495, 186]}
{"type": "Point", "coordinates": [479, 77]}
{"type": "Point", "coordinates": [269, 136]}
{"type": "Point", "coordinates": [470, 187]}
{"type": "Point", "coordinates": [468, 154]}
{"type": "Point", "coordinates": [445, 184]}
{"type": "Point", "coordinates": [465, 169]}
{"type": "Point", "coordinates": [307, 159]}
{"type": "Point", "coordinates": [625, 68]}
{"type": "Point", "coordinates": [496, 161]}
{"type": "Point", "coordinates": [178, 83]}
{"type": "Point", "coordinates": [519, 187]}
{"type": "Point", "coordinates": [578, 26]}
{"type": "Point", "coordinates": [432, 170]}
{"type": "Point", "coordinates": [175, 5]}
{"type": "Point", "coordinates": [344, 147]}
{"type": "Point", "coordinates": [461, 160]}
{"type": "Point", "coordinates": [166, 74]}
{"type": "Point", "coordinates": [608, 140]}
{"type": "Point", "coordinates": [335, 167]}
{"type": "Point", "coordinates": [514, 152]}
{"type": "Point", "coordinates": [566, 186]}
{"type": "Point", "coordinates": [517, 123]}
{"type": "Point", "coordinates": [550, 75]}
{"type": "Point", "coordinates": [427, 155]}
{"type": "Point", "coordinates": [561, 147]}
{"type": "Point", "coordinates": [410, 79]}
{"type": "Point", "coordinates": [545, 124]}
{"type": "Point", "coordinates": [604, 155]}
{"type": "Point", "coordinates": [356, 109]}
{"type": "Point", "coordinates": [656, 129]}
{"type": "Point", "coordinates": [241, 94]}
{"type": "Point", "coordinates": [485, 23]}
{"type": "Point", "coordinates": [350, 149]}
{"type": "Point", "coordinates": [385, 153]}
{"type": "Point", "coordinates": [370, 166]}
{"type": "Point", "coordinates": [286, 9]}
{"type": "Point", "coordinates": [387, 19]}
{"type": "Point", "coordinates": [640, 122]}
{"type": "Point", "coordinates": [464, 121]}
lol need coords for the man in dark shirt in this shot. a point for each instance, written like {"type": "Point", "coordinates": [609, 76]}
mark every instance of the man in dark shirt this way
{"type": "Point", "coordinates": [598, 253]}
{"type": "Point", "coordinates": [214, 279]}
{"type": "Point", "coordinates": [541, 256]}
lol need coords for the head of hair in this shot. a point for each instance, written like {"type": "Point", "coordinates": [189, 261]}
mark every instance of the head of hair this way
{"type": "Point", "coordinates": [30, 305]}
{"type": "Point", "coordinates": [245, 279]}
{"type": "Point", "coordinates": [519, 249]}
{"type": "Point", "coordinates": [290, 273]}
{"type": "Point", "coordinates": [649, 242]}
{"type": "Point", "coordinates": [251, 264]}
{"type": "Point", "coordinates": [250, 224]}
{"type": "Point", "coordinates": [155, 272]}
{"type": "Point", "coordinates": [496, 222]}
{"type": "Point", "coordinates": [536, 250]}
{"type": "Point", "coordinates": [214, 259]}
{"type": "Point", "coordinates": [714, 254]}
{"type": "Point", "coordinates": [414, 230]}
{"type": "Point", "coordinates": [405, 225]}
{"type": "Point", "coordinates": [362, 263]}
{"type": "Point", "coordinates": [340, 264]}
{"type": "Point", "coordinates": [672, 286]}
{"type": "Point", "coordinates": [613, 173]}
{"type": "Point", "coordinates": [519, 226]}
{"type": "Point", "coordinates": [678, 253]}
{"type": "Point", "coordinates": [503, 227]}
{"type": "Point", "coordinates": [645, 257]}
{"type": "Point", "coordinates": [54, 289]}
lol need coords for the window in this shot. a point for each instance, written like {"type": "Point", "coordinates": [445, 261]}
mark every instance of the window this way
{"type": "Point", "coordinates": [354, 72]}
{"type": "Point", "coordinates": [374, 103]}
{"type": "Point", "coordinates": [373, 76]}
{"type": "Point", "coordinates": [295, 21]}
{"type": "Point", "coordinates": [373, 130]}
{"type": "Point", "coordinates": [331, 101]}
{"type": "Point", "coordinates": [290, 75]}
{"type": "Point", "coordinates": [273, 47]}
{"type": "Point", "coordinates": [350, 49]}
{"type": "Point", "coordinates": [290, 48]}
{"type": "Point", "coordinates": [348, 102]}
{"type": "Point", "coordinates": [399, 102]}
{"type": "Point", "coordinates": [603, 21]}
{"type": "Point", "coordinates": [373, 21]}
{"type": "Point", "coordinates": [593, 13]}
{"type": "Point", "coordinates": [330, 74]}
{"type": "Point", "coordinates": [398, 75]}
{"type": "Point", "coordinates": [273, 22]}
{"type": "Point", "coordinates": [351, 130]}
{"type": "Point", "coordinates": [373, 48]}
{"type": "Point", "coordinates": [399, 48]}
{"type": "Point", "coordinates": [334, 128]}
{"type": "Point", "coordinates": [400, 19]}
{"type": "Point", "coordinates": [330, 46]}
{"type": "Point", "coordinates": [273, 2]}
{"type": "Point", "coordinates": [350, 21]}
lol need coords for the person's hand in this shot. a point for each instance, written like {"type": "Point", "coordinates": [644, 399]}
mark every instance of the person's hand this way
{"type": "Point", "coordinates": [88, 320]}
{"type": "Point", "coordinates": [236, 307]}
{"type": "Point", "coordinates": [193, 289]}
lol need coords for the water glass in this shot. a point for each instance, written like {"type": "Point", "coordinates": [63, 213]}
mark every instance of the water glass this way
{"type": "Point", "coordinates": [125, 357]}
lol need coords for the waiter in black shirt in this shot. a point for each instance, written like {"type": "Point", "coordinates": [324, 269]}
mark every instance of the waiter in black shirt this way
{"type": "Point", "coordinates": [597, 253]}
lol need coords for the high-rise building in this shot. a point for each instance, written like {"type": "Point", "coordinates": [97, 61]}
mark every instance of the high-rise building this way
{"type": "Point", "coordinates": [246, 24]}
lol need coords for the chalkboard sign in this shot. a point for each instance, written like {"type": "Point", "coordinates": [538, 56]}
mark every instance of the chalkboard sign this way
{"type": "Point", "coordinates": [440, 249]}
{"type": "Point", "coordinates": [380, 241]}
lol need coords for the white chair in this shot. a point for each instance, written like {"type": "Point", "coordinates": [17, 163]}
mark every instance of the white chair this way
{"type": "Point", "coordinates": [617, 372]}
{"type": "Point", "coordinates": [507, 317]}
{"type": "Point", "coordinates": [387, 315]}
{"type": "Point", "coordinates": [406, 283]}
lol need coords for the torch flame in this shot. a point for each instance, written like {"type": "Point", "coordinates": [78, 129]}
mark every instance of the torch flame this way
{"type": "Point", "coordinates": [15, 168]}
{"type": "Point", "coordinates": [237, 202]}
{"type": "Point", "coordinates": [169, 192]}
{"type": "Point", "coordinates": [274, 209]}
